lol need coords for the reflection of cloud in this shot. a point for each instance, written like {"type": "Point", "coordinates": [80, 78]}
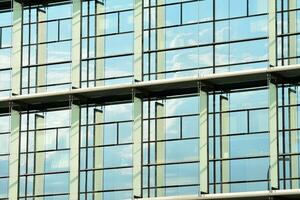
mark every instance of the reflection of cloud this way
{"type": "Point", "coordinates": [57, 160]}
{"type": "Point", "coordinates": [4, 61]}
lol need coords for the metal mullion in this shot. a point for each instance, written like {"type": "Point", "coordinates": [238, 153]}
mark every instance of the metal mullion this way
{"type": "Point", "coordinates": [180, 127]}
{"type": "Point", "coordinates": [181, 13]}
{"type": "Point", "coordinates": [46, 151]}
{"type": "Point", "coordinates": [283, 135]}
{"type": "Point", "coordinates": [27, 149]}
{"type": "Point", "coordinates": [56, 140]}
{"type": "Point", "coordinates": [110, 12]}
{"type": "Point", "coordinates": [110, 56]}
{"type": "Point", "coordinates": [240, 158]}
{"type": "Point", "coordinates": [105, 168]}
{"type": "Point", "coordinates": [171, 140]}
{"type": "Point", "coordinates": [45, 173]}
{"type": "Point", "coordinates": [88, 47]}
{"type": "Point", "coordinates": [240, 134]}
{"type": "Point", "coordinates": [86, 144]}
{"type": "Point", "coordinates": [0, 37]}
{"type": "Point", "coordinates": [118, 15]}
{"type": "Point", "coordinates": [282, 39]}
{"type": "Point", "coordinates": [105, 123]}
{"type": "Point", "coordinates": [170, 4]}
{"type": "Point", "coordinates": [149, 138]}
{"type": "Point", "coordinates": [207, 44]}
{"type": "Point", "coordinates": [108, 190]}
{"type": "Point", "coordinates": [29, 51]}
{"type": "Point", "coordinates": [214, 140]}
{"type": "Point", "coordinates": [109, 34]}
{"type": "Point", "coordinates": [206, 22]}
{"type": "Point", "coordinates": [172, 186]}
{"type": "Point", "coordinates": [246, 181]}
{"type": "Point", "coordinates": [172, 163]}
{"type": "Point", "coordinates": [248, 121]}
{"type": "Point", "coordinates": [118, 134]}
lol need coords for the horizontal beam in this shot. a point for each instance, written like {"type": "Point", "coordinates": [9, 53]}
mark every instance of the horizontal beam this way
{"type": "Point", "coordinates": [7, 4]}
{"type": "Point", "coordinates": [155, 89]}
{"type": "Point", "coordinates": [260, 195]}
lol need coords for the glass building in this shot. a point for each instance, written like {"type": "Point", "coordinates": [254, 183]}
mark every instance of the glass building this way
{"type": "Point", "coordinates": [143, 99]}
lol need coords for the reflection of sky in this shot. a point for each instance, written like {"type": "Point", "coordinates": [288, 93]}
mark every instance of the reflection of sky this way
{"type": "Point", "coordinates": [249, 145]}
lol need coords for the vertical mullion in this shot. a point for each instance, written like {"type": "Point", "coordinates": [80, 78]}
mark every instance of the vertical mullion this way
{"type": "Point", "coordinates": [273, 112]}
{"type": "Point", "coordinates": [137, 145]}
{"type": "Point", "coordinates": [99, 153]}
{"type": "Point", "coordinates": [138, 101]}
{"type": "Point", "coordinates": [41, 51]}
{"type": "Point", "coordinates": [203, 141]}
{"type": "Point", "coordinates": [293, 120]}
{"type": "Point", "coordinates": [40, 156]}
{"type": "Point", "coordinates": [75, 108]}
{"type": "Point", "coordinates": [225, 143]}
{"type": "Point", "coordinates": [76, 43]}
{"type": "Point", "coordinates": [74, 151]}
{"type": "Point", "coordinates": [273, 123]}
{"type": "Point", "coordinates": [14, 157]}
{"type": "Point", "coordinates": [161, 148]}
{"type": "Point", "coordinates": [100, 43]}
{"type": "Point", "coordinates": [272, 33]}
{"type": "Point", "coordinates": [292, 28]}
{"type": "Point", "coordinates": [17, 47]}
{"type": "Point", "coordinates": [138, 40]}
{"type": "Point", "coordinates": [160, 40]}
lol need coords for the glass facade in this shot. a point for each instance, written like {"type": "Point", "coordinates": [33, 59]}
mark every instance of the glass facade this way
{"type": "Point", "coordinates": [55, 144]}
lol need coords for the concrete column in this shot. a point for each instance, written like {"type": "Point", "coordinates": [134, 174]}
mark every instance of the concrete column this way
{"type": "Point", "coordinates": [224, 106]}
{"type": "Point", "coordinates": [138, 101]}
{"type": "Point", "coordinates": [292, 29]}
{"type": "Point", "coordinates": [272, 33]}
{"type": "Point", "coordinates": [41, 50]}
{"type": "Point", "coordinates": [138, 40]}
{"type": "Point", "coordinates": [161, 39]}
{"type": "Point", "coordinates": [100, 43]}
{"type": "Point", "coordinates": [161, 148]}
{"type": "Point", "coordinates": [14, 157]}
{"type": "Point", "coordinates": [203, 142]}
{"type": "Point", "coordinates": [99, 153]}
{"type": "Point", "coordinates": [40, 157]}
{"type": "Point", "coordinates": [74, 151]}
{"type": "Point", "coordinates": [273, 122]}
{"type": "Point", "coordinates": [16, 60]}
{"type": "Point", "coordinates": [76, 43]}
{"type": "Point", "coordinates": [137, 145]}
{"type": "Point", "coordinates": [293, 119]}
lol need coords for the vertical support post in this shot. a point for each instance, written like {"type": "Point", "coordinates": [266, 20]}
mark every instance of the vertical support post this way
{"type": "Point", "coordinates": [76, 43]}
{"type": "Point", "coordinates": [99, 153]}
{"type": "Point", "coordinates": [137, 145]}
{"type": "Point", "coordinates": [14, 160]}
{"type": "Point", "coordinates": [273, 122]}
{"type": "Point", "coordinates": [293, 119]}
{"type": "Point", "coordinates": [100, 43]}
{"type": "Point", "coordinates": [40, 156]}
{"type": "Point", "coordinates": [225, 143]}
{"type": "Point", "coordinates": [17, 47]}
{"type": "Point", "coordinates": [161, 147]}
{"type": "Point", "coordinates": [74, 151]}
{"type": "Point", "coordinates": [138, 40]}
{"type": "Point", "coordinates": [203, 141]}
{"type": "Point", "coordinates": [161, 40]}
{"type": "Point", "coordinates": [292, 29]}
{"type": "Point", "coordinates": [41, 50]}
{"type": "Point", "coordinates": [272, 33]}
